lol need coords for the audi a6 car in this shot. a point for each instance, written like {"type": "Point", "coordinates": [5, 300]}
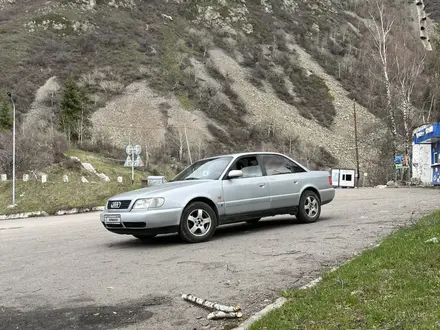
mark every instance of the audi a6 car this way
{"type": "Point", "coordinates": [221, 190]}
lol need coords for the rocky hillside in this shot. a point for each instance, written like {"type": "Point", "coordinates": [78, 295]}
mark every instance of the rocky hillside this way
{"type": "Point", "coordinates": [222, 75]}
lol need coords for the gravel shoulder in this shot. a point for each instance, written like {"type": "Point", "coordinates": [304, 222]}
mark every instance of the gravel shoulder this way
{"type": "Point", "coordinates": [67, 271]}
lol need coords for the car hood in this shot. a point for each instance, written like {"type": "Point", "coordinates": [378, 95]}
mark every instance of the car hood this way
{"type": "Point", "coordinates": [159, 190]}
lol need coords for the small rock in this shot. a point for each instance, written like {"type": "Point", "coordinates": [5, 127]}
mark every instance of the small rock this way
{"type": "Point", "coordinates": [167, 17]}
{"type": "Point", "coordinates": [432, 240]}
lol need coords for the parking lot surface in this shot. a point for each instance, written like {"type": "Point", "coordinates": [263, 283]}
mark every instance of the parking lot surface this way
{"type": "Point", "coordinates": [68, 272]}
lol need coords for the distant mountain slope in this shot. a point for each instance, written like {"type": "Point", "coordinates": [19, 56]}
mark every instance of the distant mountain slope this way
{"type": "Point", "coordinates": [224, 75]}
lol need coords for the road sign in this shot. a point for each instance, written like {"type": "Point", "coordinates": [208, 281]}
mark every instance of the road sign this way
{"type": "Point", "coordinates": [137, 149]}
{"type": "Point", "coordinates": [128, 162]}
{"type": "Point", "coordinates": [137, 163]}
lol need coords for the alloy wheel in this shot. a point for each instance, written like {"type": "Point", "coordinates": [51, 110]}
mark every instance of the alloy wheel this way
{"type": "Point", "coordinates": [311, 206]}
{"type": "Point", "coordinates": [199, 222]}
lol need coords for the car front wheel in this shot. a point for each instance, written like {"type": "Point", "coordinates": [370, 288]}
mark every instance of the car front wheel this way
{"type": "Point", "coordinates": [309, 208]}
{"type": "Point", "coordinates": [198, 223]}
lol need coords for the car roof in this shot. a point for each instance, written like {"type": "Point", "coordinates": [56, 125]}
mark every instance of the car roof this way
{"type": "Point", "coordinates": [236, 155]}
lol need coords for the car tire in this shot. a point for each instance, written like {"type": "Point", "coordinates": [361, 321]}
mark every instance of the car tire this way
{"type": "Point", "coordinates": [198, 223]}
{"type": "Point", "coordinates": [253, 221]}
{"type": "Point", "coordinates": [309, 208]}
{"type": "Point", "coordinates": [145, 237]}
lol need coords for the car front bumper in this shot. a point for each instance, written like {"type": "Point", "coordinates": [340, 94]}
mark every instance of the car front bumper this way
{"type": "Point", "coordinates": [160, 221]}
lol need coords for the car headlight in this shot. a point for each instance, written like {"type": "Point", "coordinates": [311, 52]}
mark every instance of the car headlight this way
{"type": "Point", "coordinates": [149, 203]}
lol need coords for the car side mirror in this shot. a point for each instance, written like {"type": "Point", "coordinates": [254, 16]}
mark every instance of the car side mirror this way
{"type": "Point", "coordinates": [235, 174]}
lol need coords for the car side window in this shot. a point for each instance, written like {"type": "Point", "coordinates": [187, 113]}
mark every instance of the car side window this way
{"type": "Point", "coordinates": [249, 166]}
{"type": "Point", "coordinates": [276, 165]}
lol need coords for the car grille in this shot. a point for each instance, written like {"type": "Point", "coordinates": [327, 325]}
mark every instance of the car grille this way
{"type": "Point", "coordinates": [126, 224]}
{"type": "Point", "coordinates": [118, 205]}
{"type": "Point", "coordinates": [113, 225]}
{"type": "Point", "coordinates": [135, 224]}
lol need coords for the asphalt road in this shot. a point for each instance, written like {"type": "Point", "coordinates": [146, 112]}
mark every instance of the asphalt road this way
{"type": "Point", "coordinates": [68, 272]}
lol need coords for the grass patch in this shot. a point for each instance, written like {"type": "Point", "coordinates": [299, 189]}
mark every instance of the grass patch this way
{"type": "Point", "coordinates": [33, 196]}
{"type": "Point", "coordinates": [55, 195]}
{"type": "Point", "coordinates": [317, 101]}
{"type": "Point", "coordinates": [280, 88]}
{"type": "Point", "coordinates": [112, 169]}
{"type": "Point", "coordinates": [185, 101]}
{"type": "Point", "coordinates": [393, 286]}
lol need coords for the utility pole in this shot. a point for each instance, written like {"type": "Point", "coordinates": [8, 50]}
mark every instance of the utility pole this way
{"type": "Point", "coordinates": [131, 155]}
{"type": "Point", "coordinates": [132, 165]}
{"type": "Point", "coordinates": [13, 149]}
{"type": "Point", "coordinates": [356, 144]}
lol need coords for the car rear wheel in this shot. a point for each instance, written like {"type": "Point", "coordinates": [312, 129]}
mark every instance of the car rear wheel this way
{"type": "Point", "coordinates": [253, 221]}
{"type": "Point", "coordinates": [309, 208]}
{"type": "Point", "coordinates": [198, 223]}
{"type": "Point", "coordinates": [145, 237]}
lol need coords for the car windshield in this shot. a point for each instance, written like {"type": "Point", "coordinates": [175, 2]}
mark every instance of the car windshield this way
{"type": "Point", "coordinates": [205, 169]}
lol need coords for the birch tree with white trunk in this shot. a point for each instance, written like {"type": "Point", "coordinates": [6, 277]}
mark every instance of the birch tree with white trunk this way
{"type": "Point", "coordinates": [409, 62]}
{"type": "Point", "coordinates": [380, 29]}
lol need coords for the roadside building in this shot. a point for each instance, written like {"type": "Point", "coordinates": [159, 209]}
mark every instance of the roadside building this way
{"type": "Point", "coordinates": [426, 150]}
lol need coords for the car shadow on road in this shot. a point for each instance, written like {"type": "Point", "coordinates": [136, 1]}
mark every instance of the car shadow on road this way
{"type": "Point", "coordinates": [224, 232]}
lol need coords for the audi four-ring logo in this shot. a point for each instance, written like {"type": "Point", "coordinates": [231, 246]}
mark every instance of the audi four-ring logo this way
{"type": "Point", "coordinates": [115, 205]}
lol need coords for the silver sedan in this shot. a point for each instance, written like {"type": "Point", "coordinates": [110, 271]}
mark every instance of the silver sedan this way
{"type": "Point", "coordinates": [221, 190]}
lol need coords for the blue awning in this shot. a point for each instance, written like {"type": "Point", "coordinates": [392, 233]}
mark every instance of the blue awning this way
{"type": "Point", "coordinates": [428, 135]}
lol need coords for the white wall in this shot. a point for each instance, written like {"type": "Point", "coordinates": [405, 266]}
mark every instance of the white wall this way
{"type": "Point", "coordinates": [337, 178]}
{"type": "Point", "coordinates": [346, 183]}
{"type": "Point", "coordinates": [421, 162]}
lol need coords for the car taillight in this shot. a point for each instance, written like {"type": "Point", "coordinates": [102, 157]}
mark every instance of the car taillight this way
{"type": "Point", "coordinates": [330, 180]}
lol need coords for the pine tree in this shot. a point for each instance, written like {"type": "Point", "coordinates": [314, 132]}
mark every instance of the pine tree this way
{"type": "Point", "coordinates": [5, 116]}
{"type": "Point", "coordinates": [74, 114]}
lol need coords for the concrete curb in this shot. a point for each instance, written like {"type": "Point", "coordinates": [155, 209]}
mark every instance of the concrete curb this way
{"type": "Point", "coordinates": [281, 301]}
{"type": "Point", "coordinates": [45, 214]}
{"type": "Point", "coordinates": [275, 305]}
{"type": "Point", "coordinates": [258, 315]}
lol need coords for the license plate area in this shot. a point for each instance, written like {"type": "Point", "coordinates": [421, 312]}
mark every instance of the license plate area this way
{"type": "Point", "coordinates": [112, 219]}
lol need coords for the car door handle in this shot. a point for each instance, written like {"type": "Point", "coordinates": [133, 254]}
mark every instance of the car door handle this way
{"type": "Point", "coordinates": [295, 182]}
{"type": "Point", "coordinates": [262, 185]}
